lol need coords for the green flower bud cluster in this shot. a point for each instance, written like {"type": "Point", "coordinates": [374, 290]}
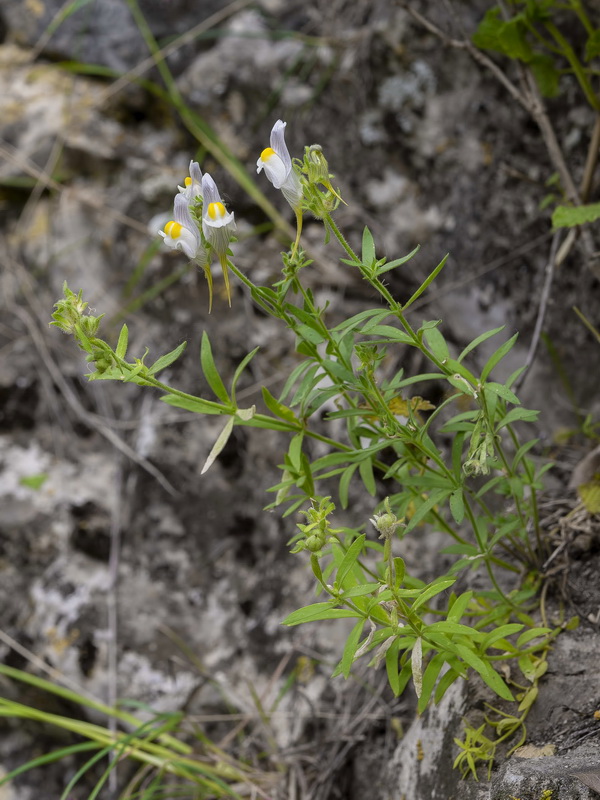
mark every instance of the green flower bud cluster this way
{"type": "Point", "coordinates": [387, 523]}
{"type": "Point", "coordinates": [71, 318]}
{"type": "Point", "coordinates": [369, 356]}
{"type": "Point", "coordinates": [318, 529]}
{"type": "Point", "coordinates": [101, 357]}
{"type": "Point", "coordinates": [69, 315]}
{"type": "Point", "coordinates": [319, 196]}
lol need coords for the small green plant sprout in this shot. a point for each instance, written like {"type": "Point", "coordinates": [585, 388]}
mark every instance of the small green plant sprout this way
{"type": "Point", "coordinates": [458, 466]}
{"type": "Point", "coordinates": [202, 226]}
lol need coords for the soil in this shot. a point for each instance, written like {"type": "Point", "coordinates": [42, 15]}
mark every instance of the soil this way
{"type": "Point", "coordinates": [125, 569]}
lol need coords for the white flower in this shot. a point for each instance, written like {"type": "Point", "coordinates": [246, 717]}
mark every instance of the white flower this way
{"type": "Point", "coordinates": [217, 225]}
{"type": "Point", "coordinates": [182, 232]}
{"type": "Point", "coordinates": [277, 164]}
{"type": "Point", "coordinates": [217, 222]}
{"type": "Point", "coordinates": [193, 184]}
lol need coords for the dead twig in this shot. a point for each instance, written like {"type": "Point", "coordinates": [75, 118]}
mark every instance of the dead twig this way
{"type": "Point", "coordinates": [542, 308]}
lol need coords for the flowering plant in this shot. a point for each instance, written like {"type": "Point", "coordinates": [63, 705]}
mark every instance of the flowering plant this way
{"type": "Point", "coordinates": [421, 629]}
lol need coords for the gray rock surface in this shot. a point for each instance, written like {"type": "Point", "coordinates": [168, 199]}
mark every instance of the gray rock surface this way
{"type": "Point", "coordinates": [103, 33]}
{"type": "Point", "coordinates": [550, 778]}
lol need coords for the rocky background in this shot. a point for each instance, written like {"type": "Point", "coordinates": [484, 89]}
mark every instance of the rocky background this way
{"type": "Point", "coordinates": [120, 566]}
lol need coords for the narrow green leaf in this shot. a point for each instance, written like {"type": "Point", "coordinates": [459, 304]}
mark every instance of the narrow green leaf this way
{"type": "Point", "coordinates": [295, 375]}
{"type": "Point", "coordinates": [430, 676]}
{"type": "Point", "coordinates": [389, 333]}
{"type": "Point", "coordinates": [368, 248]}
{"type": "Point", "coordinates": [277, 408]}
{"type": "Point", "coordinates": [529, 699]}
{"type": "Point", "coordinates": [317, 611]}
{"type": "Point", "coordinates": [432, 590]}
{"type": "Point", "coordinates": [365, 468]}
{"type": "Point", "coordinates": [459, 606]}
{"type": "Point", "coordinates": [376, 314]}
{"type": "Point", "coordinates": [351, 647]}
{"type": "Point", "coordinates": [457, 449]}
{"type": "Point", "coordinates": [518, 415]}
{"type": "Point", "coordinates": [239, 370]}
{"type": "Point", "coordinates": [457, 505]}
{"type": "Point", "coordinates": [446, 682]}
{"type": "Point", "coordinates": [523, 450]}
{"type": "Point", "coordinates": [309, 334]}
{"type": "Point", "coordinates": [218, 445]}
{"type": "Point", "coordinates": [345, 484]}
{"type": "Point", "coordinates": [312, 377]}
{"type": "Point", "coordinates": [396, 262]}
{"type": "Point", "coordinates": [486, 671]}
{"type": "Point", "coordinates": [426, 506]}
{"type": "Point", "coordinates": [531, 634]}
{"type": "Point", "coordinates": [437, 344]}
{"type": "Point", "coordinates": [210, 371]}
{"type": "Point", "coordinates": [444, 626]}
{"type": "Point", "coordinates": [391, 666]}
{"type": "Point", "coordinates": [164, 361]}
{"type": "Point", "coordinates": [496, 357]}
{"type": "Point", "coordinates": [121, 348]}
{"type": "Point", "coordinates": [195, 404]}
{"type": "Point", "coordinates": [499, 633]}
{"type": "Point", "coordinates": [479, 340]}
{"type": "Point", "coordinates": [295, 451]}
{"type": "Point", "coordinates": [349, 560]}
{"type": "Point", "coordinates": [502, 391]}
{"type": "Point", "coordinates": [430, 278]}
{"type": "Point", "coordinates": [361, 590]}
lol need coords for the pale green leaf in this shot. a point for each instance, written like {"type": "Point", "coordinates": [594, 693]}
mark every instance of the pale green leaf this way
{"type": "Point", "coordinates": [218, 445]}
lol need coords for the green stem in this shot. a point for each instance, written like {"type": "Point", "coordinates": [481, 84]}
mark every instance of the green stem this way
{"type": "Point", "coordinates": [486, 559]}
{"type": "Point", "coordinates": [328, 220]}
{"type": "Point", "coordinates": [534, 503]}
{"type": "Point", "coordinates": [578, 9]}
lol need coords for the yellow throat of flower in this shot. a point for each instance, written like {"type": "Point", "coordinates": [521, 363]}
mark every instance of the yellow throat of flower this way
{"type": "Point", "coordinates": [173, 229]}
{"type": "Point", "coordinates": [216, 211]}
{"type": "Point", "coordinates": [188, 181]}
{"type": "Point", "coordinates": [267, 153]}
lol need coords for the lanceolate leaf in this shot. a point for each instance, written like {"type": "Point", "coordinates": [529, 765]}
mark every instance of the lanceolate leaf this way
{"type": "Point", "coordinates": [164, 361]}
{"type": "Point", "coordinates": [498, 356]}
{"type": "Point", "coordinates": [432, 590]}
{"type": "Point", "coordinates": [351, 647]}
{"type": "Point", "coordinates": [210, 371]}
{"type": "Point", "coordinates": [368, 248]}
{"type": "Point", "coordinates": [276, 407]}
{"type": "Point", "coordinates": [121, 348]}
{"type": "Point", "coordinates": [218, 445]}
{"type": "Point", "coordinates": [479, 340]}
{"type": "Point", "coordinates": [487, 672]}
{"type": "Point", "coordinates": [317, 611]}
{"type": "Point", "coordinates": [350, 559]}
